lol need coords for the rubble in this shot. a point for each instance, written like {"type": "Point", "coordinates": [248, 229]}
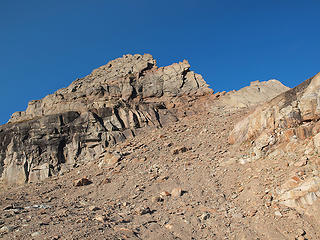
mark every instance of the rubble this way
{"type": "Point", "coordinates": [122, 144]}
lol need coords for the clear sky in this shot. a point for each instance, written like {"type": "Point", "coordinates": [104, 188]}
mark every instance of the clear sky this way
{"type": "Point", "coordinates": [46, 44]}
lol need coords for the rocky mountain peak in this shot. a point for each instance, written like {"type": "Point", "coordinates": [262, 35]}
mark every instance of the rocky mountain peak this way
{"type": "Point", "coordinates": [76, 123]}
{"type": "Point", "coordinates": [138, 151]}
{"type": "Point", "coordinates": [255, 94]}
{"type": "Point", "coordinates": [130, 78]}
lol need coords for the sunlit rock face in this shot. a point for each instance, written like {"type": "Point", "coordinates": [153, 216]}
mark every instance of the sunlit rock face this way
{"type": "Point", "coordinates": [77, 123]}
{"type": "Point", "coordinates": [287, 127]}
{"type": "Point", "coordinates": [254, 94]}
{"type": "Point", "coordinates": [287, 114]}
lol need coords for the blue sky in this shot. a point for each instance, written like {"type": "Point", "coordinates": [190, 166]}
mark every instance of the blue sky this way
{"type": "Point", "coordinates": [45, 45]}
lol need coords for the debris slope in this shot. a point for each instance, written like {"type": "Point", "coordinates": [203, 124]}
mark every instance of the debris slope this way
{"type": "Point", "coordinates": [154, 155]}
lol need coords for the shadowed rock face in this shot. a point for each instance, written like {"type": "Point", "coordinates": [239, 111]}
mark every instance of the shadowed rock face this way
{"type": "Point", "coordinates": [77, 123]}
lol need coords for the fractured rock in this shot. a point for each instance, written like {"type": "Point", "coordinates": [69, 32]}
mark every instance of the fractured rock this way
{"type": "Point", "coordinates": [301, 194]}
{"type": "Point", "coordinates": [257, 93]}
{"type": "Point", "coordinates": [39, 173]}
{"type": "Point", "coordinates": [110, 159]}
{"type": "Point", "coordinates": [82, 182]}
{"type": "Point", "coordinates": [100, 218]}
{"type": "Point", "coordinates": [77, 123]}
{"type": "Point", "coordinates": [290, 110]}
{"type": "Point", "coordinates": [176, 192]}
{"type": "Point", "coordinates": [288, 125]}
{"type": "Point", "coordinates": [93, 208]}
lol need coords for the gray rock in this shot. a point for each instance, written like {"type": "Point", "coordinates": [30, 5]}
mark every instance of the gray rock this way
{"type": "Point", "coordinates": [7, 229]}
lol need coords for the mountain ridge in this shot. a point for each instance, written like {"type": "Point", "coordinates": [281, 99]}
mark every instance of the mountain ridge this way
{"type": "Point", "coordinates": [140, 152]}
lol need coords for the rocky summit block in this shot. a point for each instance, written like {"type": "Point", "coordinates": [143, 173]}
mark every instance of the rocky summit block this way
{"type": "Point", "coordinates": [77, 123]}
{"type": "Point", "coordinates": [127, 79]}
{"type": "Point", "coordinates": [257, 93]}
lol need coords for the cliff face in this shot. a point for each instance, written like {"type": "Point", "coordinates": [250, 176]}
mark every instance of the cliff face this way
{"type": "Point", "coordinates": [77, 123]}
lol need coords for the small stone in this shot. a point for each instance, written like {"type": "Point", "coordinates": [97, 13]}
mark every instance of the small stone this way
{"type": "Point", "coordinates": [300, 232]}
{"type": "Point", "coordinates": [315, 172]}
{"type": "Point", "coordinates": [252, 212]}
{"type": "Point", "coordinates": [100, 218]}
{"type": "Point", "coordinates": [8, 207]}
{"type": "Point", "coordinates": [35, 234]}
{"type": "Point", "coordinates": [82, 182]}
{"type": "Point", "coordinates": [175, 151]}
{"type": "Point", "coordinates": [300, 238]}
{"type": "Point", "coordinates": [168, 226]}
{"type": "Point", "coordinates": [143, 210]}
{"type": "Point", "coordinates": [278, 213]}
{"type": "Point", "coordinates": [205, 216]}
{"type": "Point", "coordinates": [4, 229]}
{"type": "Point", "coordinates": [183, 149]}
{"type": "Point", "coordinates": [234, 196]}
{"type": "Point", "coordinates": [79, 221]}
{"type": "Point", "coordinates": [110, 159]}
{"type": "Point", "coordinates": [301, 163]}
{"type": "Point", "coordinates": [165, 194]}
{"type": "Point", "coordinates": [237, 215]}
{"type": "Point", "coordinates": [178, 150]}
{"type": "Point", "coordinates": [163, 177]}
{"type": "Point", "coordinates": [106, 180]}
{"type": "Point", "coordinates": [44, 223]}
{"type": "Point", "coordinates": [176, 192]}
{"type": "Point", "coordinates": [156, 199]}
{"type": "Point", "coordinates": [93, 208]}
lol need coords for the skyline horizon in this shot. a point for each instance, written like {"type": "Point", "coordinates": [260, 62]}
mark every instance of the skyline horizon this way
{"type": "Point", "coordinates": [47, 45]}
{"type": "Point", "coordinates": [157, 64]}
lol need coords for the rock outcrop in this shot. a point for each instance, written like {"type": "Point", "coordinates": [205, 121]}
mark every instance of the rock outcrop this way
{"type": "Point", "coordinates": [77, 123]}
{"type": "Point", "coordinates": [292, 113]}
{"type": "Point", "coordinates": [287, 128]}
{"type": "Point", "coordinates": [257, 93]}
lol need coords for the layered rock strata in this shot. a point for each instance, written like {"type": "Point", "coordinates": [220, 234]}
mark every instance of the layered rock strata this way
{"type": "Point", "coordinates": [294, 112]}
{"type": "Point", "coordinates": [77, 123]}
{"type": "Point", "coordinates": [287, 128]}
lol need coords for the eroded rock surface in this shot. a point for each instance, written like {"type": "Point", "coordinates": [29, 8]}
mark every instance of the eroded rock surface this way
{"type": "Point", "coordinates": [287, 128]}
{"type": "Point", "coordinates": [174, 179]}
{"type": "Point", "coordinates": [77, 123]}
{"type": "Point", "coordinates": [284, 114]}
{"type": "Point", "coordinates": [257, 93]}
